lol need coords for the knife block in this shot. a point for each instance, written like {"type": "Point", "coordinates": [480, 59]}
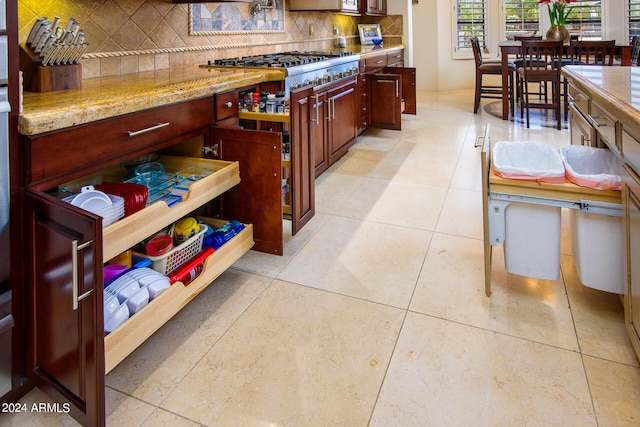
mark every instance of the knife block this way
{"type": "Point", "coordinates": [50, 78]}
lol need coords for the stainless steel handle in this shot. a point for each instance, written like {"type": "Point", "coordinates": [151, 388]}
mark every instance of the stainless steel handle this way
{"type": "Point", "coordinates": [211, 149]}
{"type": "Point", "coordinates": [397, 89]}
{"type": "Point", "coordinates": [149, 129]}
{"type": "Point", "coordinates": [333, 109]}
{"type": "Point", "coordinates": [317, 119]}
{"type": "Point", "coordinates": [380, 61]}
{"type": "Point", "coordinates": [75, 248]}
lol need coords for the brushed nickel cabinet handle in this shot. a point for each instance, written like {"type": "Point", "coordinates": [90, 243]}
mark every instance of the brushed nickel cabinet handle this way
{"type": "Point", "coordinates": [149, 129]}
{"type": "Point", "coordinates": [317, 119]}
{"type": "Point", "coordinates": [75, 248]}
{"type": "Point", "coordinates": [211, 149]}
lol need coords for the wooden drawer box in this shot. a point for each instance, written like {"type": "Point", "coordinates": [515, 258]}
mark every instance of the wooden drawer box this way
{"type": "Point", "coordinates": [226, 105]}
{"type": "Point", "coordinates": [395, 56]}
{"type": "Point", "coordinates": [71, 153]}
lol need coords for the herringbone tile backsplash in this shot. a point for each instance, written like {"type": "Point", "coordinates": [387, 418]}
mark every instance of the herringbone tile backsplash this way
{"type": "Point", "coordinates": [128, 36]}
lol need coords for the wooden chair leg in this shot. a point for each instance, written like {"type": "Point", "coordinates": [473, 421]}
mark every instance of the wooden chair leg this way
{"type": "Point", "coordinates": [476, 103]}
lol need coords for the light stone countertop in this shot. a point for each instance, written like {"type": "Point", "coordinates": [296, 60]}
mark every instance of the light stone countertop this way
{"type": "Point", "coordinates": [106, 97]}
{"type": "Point", "coordinates": [616, 88]}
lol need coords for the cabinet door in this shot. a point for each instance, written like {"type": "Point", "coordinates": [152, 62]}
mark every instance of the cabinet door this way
{"type": "Point", "coordinates": [66, 338]}
{"type": "Point", "coordinates": [385, 101]}
{"type": "Point", "coordinates": [408, 88]}
{"type": "Point", "coordinates": [342, 111]}
{"type": "Point", "coordinates": [303, 164]}
{"type": "Point", "coordinates": [258, 197]}
{"type": "Point", "coordinates": [318, 132]}
{"type": "Point", "coordinates": [631, 231]}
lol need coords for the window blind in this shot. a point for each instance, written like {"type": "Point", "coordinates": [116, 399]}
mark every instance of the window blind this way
{"type": "Point", "coordinates": [585, 19]}
{"type": "Point", "coordinates": [633, 18]}
{"type": "Point", "coordinates": [521, 16]}
{"type": "Point", "coordinates": [470, 21]}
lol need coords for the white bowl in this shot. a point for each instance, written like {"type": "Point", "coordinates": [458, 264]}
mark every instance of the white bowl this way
{"type": "Point", "coordinates": [111, 304]}
{"type": "Point", "coordinates": [128, 291]}
{"type": "Point", "coordinates": [91, 200]}
{"type": "Point", "coordinates": [157, 287]}
{"type": "Point", "coordinates": [118, 317]}
{"type": "Point", "coordinates": [138, 300]}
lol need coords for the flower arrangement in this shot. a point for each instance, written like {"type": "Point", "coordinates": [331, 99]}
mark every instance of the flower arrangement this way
{"type": "Point", "coordinates": [558, 13]}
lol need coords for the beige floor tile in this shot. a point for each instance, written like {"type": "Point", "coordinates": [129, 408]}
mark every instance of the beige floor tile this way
{"type": "Point", "coordinates": [444, 373]}
{"type": "Point", "coordinates": [161, 362]}
{"type": "Point", "coordinates": [123, 410]}
{"type": "Point", "coordinates": [467, 174]}
{"type": "Point", "coordinates": [615, 389]}
{"type": "Point", "coordinates": [451, 286]}
{"type": "Point", "coordinates": [162, 418]}
{"type": "Point", "coordinates": [358, 162]}
{"type": "Point", "coordinates": [298, 357]}
{"type": "Point", "coordinates": [376, 262]}
{"type": "Point", "coordinates": [422, 169]}
{"type": "Point", "coordinates": [599, 319]}
{"type": "Point", "coordinates": [462, 214]}
{"type": "Point", "coordinates": [270, 265]}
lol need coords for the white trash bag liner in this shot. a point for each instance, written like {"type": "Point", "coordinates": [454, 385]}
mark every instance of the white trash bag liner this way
{"type": "Point", "coordinates": [531, 161]}
{"type": "Point", "coordinates": [591, 167]}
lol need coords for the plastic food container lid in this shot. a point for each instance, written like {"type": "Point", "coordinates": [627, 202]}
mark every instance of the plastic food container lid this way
{"type": "Point", "coordinates": [159, 245]}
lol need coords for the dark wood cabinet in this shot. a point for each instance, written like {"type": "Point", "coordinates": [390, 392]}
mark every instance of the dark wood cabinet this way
{"type": "Point", "coordinates": [66, 320]}
{"type": "Point", "coordinates": [341, 109]}
{"type": "Point", "coordinates": [387, 90]}
{"type": "Point", "coordinates": [373, 7]}
{"type": "Point", "coordinates": [257, 199]}
{"type": "Point", "coordinates": [334, 118]}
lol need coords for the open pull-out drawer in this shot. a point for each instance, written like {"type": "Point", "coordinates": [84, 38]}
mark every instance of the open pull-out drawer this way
{"type": "Point", "coordinates": [134, 228]}
{"type": "Point", "coordinates": [134, 331]}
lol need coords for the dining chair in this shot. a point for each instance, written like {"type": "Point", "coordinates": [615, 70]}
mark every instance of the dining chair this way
{"type": "Point", "coordinates": [540, 57]}
{"type": "Point", "coordinates": [489, 68]}
{"type": "Point", "coordinates": [519, 62]}
{"type": "Point", "coordinates": [588, 52]}
{"type": "Point", "coordinates": [635, 50]}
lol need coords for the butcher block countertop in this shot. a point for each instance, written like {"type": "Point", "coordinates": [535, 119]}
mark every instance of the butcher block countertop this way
{"type": "Point", "coordinates": [106, 97]}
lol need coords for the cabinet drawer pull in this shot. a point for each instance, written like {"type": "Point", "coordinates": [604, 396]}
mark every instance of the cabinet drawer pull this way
{"type": "Point", "coordinates": [210, 149]}
{"type": "Point", "coordinates": [75, 248]}
{"type": "Point", "coordinates": [229, 104]}
{"type": "Point", "coordinates": [317, 119]}
{"type": "Point", "coordinates": [149, 129]}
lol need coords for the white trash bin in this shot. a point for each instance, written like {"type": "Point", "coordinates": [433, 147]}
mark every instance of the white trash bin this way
{"type": "Point", "coordinates": [532, 232]}
{"type": "Point", "coordinates": [596, 239]}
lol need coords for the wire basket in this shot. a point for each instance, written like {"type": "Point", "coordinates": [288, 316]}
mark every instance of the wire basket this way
{"type": "Point", "coordinates": [177, 256]}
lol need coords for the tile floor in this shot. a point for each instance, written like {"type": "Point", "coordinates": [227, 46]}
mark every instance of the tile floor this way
{"type": "Point", "coordinates": [376, 314]}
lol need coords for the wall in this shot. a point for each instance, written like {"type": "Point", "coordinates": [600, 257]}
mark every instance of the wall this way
{"type": "Point", "coordinates": [128, 36]}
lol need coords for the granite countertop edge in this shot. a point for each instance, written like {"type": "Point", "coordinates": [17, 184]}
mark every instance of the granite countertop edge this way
{"type": "Point", "coordinates": [107, 97]}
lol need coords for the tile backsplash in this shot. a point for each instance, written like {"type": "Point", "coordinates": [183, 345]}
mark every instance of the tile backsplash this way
{"type": "Point", "coordinates": [129, 36]}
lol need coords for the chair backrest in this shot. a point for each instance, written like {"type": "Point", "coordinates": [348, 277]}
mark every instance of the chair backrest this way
{"type": "Point", "coordinates": [522, 38]}
{"type": "Point", "coordinates": [593, 52]}
{"type": "Point", "coordinates": [539, 57]}
{"type": "Point", "coordinates": [635, 52]}
{"type": "Point", "coordinates": [477, 52]}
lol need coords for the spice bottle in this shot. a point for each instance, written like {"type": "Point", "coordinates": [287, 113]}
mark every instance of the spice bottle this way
{"type": "Point", "coordinates": [255, 106]}
{"type": "Point", "coordinates": [271, 103]}
{"type": "Point", "coordinates": [280, 102]}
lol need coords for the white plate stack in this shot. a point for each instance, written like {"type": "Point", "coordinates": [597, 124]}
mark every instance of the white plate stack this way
{"type": "Point", "coordinates": [108, 206]}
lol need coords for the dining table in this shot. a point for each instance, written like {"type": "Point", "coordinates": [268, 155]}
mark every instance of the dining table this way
{"type": "Point", "coordinates": [512, 47]}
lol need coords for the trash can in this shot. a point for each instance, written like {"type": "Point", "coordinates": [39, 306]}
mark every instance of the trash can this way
{"type": "Point", "coordinates": [532, 232]}
{"type": "Point", "coordinates": [597, 240]}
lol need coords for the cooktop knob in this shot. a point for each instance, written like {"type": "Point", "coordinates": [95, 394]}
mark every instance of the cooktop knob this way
{"type": "Point", "coordinates": [326, 78]}
{"type": "Point", "coordinates": [317, 81]}
{"type": "Point", "coordinates": [307, 82]}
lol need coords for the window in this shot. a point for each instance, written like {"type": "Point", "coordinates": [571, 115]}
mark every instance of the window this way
{"type": "Point", "coordinates": [585, 20]}
{"type": "Point", "coordinates": [521, 17]}
{"type": "Point", "coordinates": [470, 20]}
{"type": "Point", "coordinates": [633, 18]}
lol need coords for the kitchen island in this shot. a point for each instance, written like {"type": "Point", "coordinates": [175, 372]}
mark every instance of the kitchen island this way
{"type": "Point", "coordinates": [605, 112]}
